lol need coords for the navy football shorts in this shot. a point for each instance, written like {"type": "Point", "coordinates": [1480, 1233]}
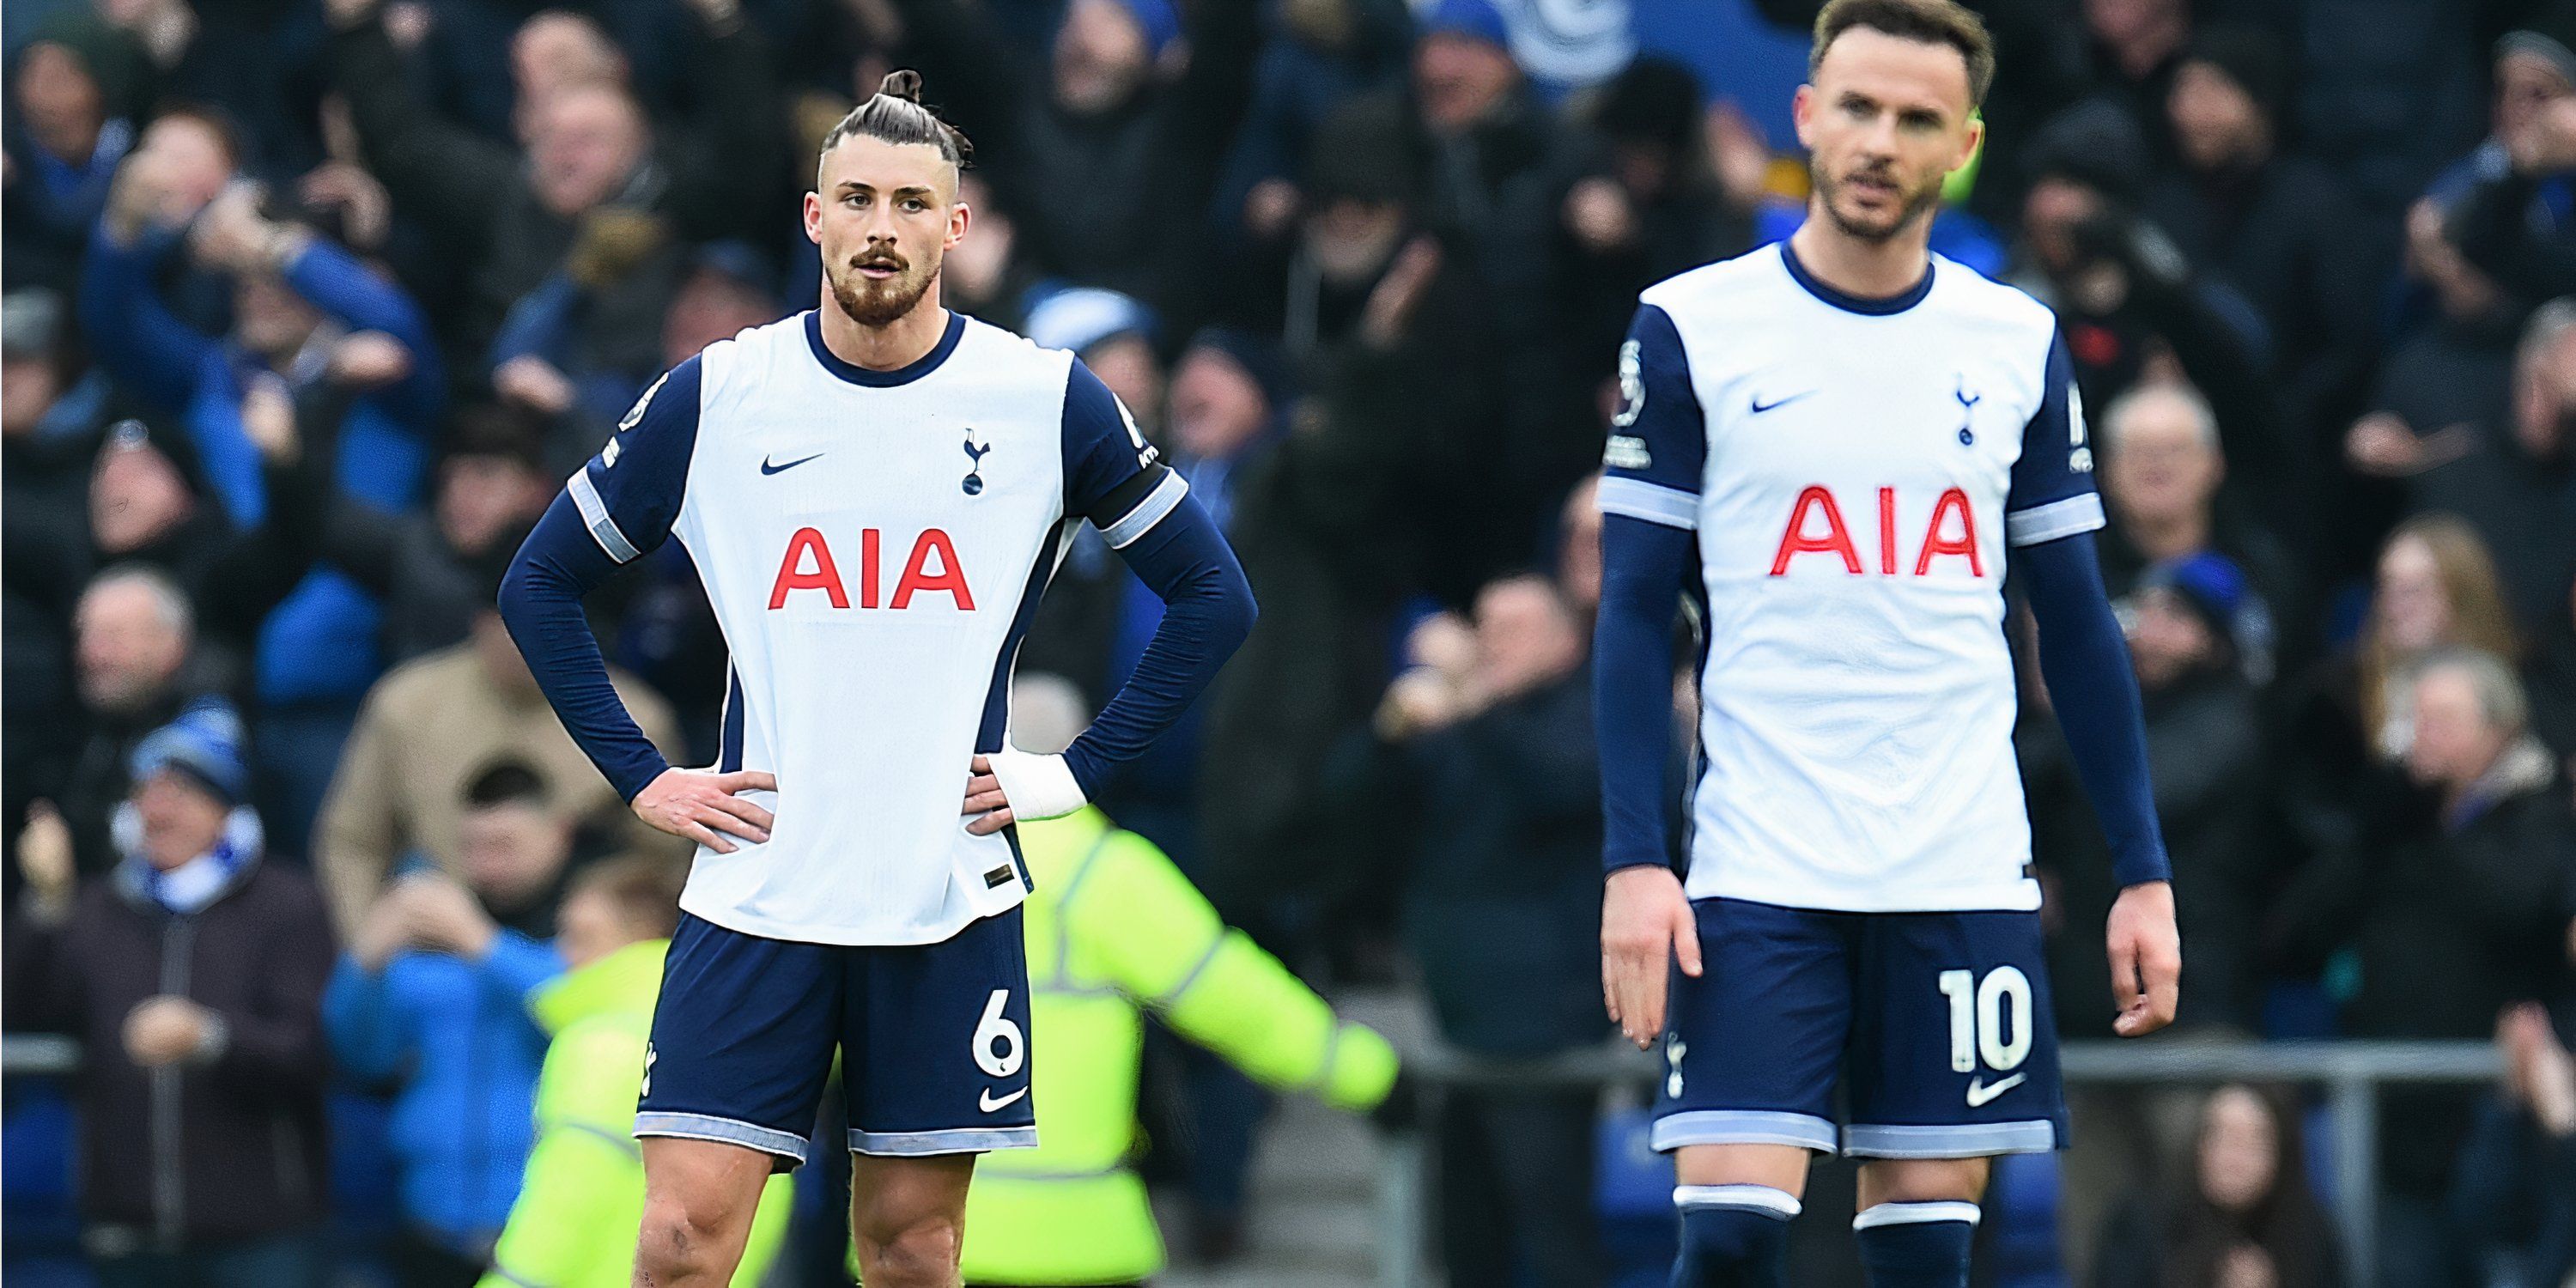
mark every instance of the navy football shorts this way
{"type": "Point", "coordinates": [934, 1040]}
{"type": "Point", "coordinates": [1936, 1024]}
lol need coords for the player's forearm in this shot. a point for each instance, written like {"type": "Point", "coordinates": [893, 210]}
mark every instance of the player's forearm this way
{"type": "Point", "coordinates": [1642, 568]}
{"type": "Point", "coordinates": [541, 603]}
{"type": "Point", "coordinates": [2086, 664]}
{"type": "Point", "coordinates": [1207, 612]}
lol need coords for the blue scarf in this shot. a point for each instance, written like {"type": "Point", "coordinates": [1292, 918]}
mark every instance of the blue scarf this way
{"type": "Point", "coordinates": [197, 883]}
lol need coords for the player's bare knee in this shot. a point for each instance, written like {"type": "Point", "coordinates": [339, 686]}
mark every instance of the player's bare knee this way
{"type": "Point", "coordinates": [1922, 1180]}
{"type": "Point", "coordinates": [684, 1237]}
{"type": "Point", "coordinates": [1779, 1167]}
{"type": "Point", "coordinates": [920, 1252]}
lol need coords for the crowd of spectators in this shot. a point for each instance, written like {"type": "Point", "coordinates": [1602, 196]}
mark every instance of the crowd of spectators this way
{"type": "Point", "coordinates": [308, 305]}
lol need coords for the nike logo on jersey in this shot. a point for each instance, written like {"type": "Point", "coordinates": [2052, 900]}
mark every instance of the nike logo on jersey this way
{"type": "Point", "coordinates": [989, 1104]}
{"type": "Point", "coordinates": [1980, 1095]}
{"type": "Point", "coordinates": [1760, 406]}
{"type": "Point", "coordinates": [767, 468]}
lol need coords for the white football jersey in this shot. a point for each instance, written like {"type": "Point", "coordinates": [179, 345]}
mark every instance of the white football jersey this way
{"type": "Point", "coordinates": [1855, 472]}
{"type": "Point", "coordinates": [874, 544]}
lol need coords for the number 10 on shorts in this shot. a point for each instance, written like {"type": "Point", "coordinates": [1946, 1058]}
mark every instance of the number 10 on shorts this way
{"type": "Point", "coordinates": [1978, 1025]}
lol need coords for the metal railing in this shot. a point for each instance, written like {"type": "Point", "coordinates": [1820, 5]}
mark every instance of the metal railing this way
{"type": "Point", "coordinates": [2351, 1072]}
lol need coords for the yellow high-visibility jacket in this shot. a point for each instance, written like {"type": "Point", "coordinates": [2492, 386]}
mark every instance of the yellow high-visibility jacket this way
{"type": "Point", "coordinates": [582, 1200]}
{"type": "Point", "coordinates": [1114, 929]}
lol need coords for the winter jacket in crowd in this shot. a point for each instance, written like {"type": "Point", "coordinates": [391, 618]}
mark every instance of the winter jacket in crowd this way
{"type": "Point", "coordinates": [228, 1145]}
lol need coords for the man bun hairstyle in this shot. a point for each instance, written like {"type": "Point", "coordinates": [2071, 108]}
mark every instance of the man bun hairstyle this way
{"type": "Point", "coordinates": [896, 115]}
{"type": "Point", "coordinates": [1931, 22]}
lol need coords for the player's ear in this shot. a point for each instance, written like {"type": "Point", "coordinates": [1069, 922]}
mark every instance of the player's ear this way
{"type": "Point", "coordinates": [958, 217]}
{"type": "Point", "coordinates": [1802, 109]}
{"type": "Point", "coordinates": [814, 218]}
{"type": "Point", "coordinates": [1968, 144]}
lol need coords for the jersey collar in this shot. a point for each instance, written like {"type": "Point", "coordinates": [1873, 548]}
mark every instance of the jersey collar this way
{"type": "Point", "coordinates": [903, 375]}
{"type": "Point", "coordinates": [1874, 306]}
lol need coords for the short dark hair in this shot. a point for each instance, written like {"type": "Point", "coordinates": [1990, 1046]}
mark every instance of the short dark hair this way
{"type": "Point", "coordinates": [895, 115]}
{"type": "Point", "coordinates": [506, 431]}
{"type": "Point", "coordinates": [1932, 22]}
{"type": "Point", "coordinates": [505, 782]}
{"type": "Point", "coordinates": [645, 890]}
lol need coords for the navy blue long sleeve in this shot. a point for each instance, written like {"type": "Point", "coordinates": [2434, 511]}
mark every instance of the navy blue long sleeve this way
{"type": "Point", "coordinates": [1208, 610]}
{"type": "Point", "coordinates": [2086, 664]}
{"type": "Point", "coordinates": [555, 568]}
{"type": "Point", "coordinates": [1643, 568]}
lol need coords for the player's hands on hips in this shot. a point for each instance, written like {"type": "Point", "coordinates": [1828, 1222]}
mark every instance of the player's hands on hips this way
{"type": "Point", "coordinates": [1645, 923]}
{"type": "Point", "coordinates": [700, 804]}
{"type": "Point", "coordinates": [2146, 959]}
{"type": "Point", "coordinates": [1011, 786]}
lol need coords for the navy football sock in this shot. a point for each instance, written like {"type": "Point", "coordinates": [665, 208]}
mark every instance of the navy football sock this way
{"type": "Point", "coordinates": [1733, 1236]}
{"type": "Point", "coordinates": [1916, 1245]}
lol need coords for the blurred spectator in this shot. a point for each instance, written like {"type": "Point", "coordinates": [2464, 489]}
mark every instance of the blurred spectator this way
{"type": "Point", "coordinates": [435, 571]}
{"type": "Point", "coordinates": [2162, 477]}
{"type": "Point", "coordinates": [1114, 336]}
{"type": "Point", "coordinates": [2137, 50]}
{"type": "Point", "coordinates": [1578, 551]}
{"type": "Point", "coordinates": [2204, 744]}
{"type": "Point", "coordinates": [2245, 1215]}
{"type": "Point", "coordinates": [594, 167]}
{"type": "Point", "coordinates": [1482, 779]}
{"type": "Point", "coordinates": [987, 275]}
{"type": "Point", "coordinates": [1493, 144]}
{"type": "Point", "coordinates": [2510, 219]}
{"type": "Point", "coordinates": [48, 438]}
{"type": "Point", "coordinates": [1652, 201]}
{"type": "Point", "coordinates": [1321, 52]}
{"type": "Point", "coordinates": [2275, 225]}
{"type": "Point", "coordinates": [1106, 162]}
{"type": "Point", "coordinates": [432, 997]}
{"type": "Point", "coordinates": [428, 729]}
{"type": "Point", "coordinates": [579, 1207]}
{"type": "Point", "coordinates": [2516, 1193]}
{"type": "Point", "coordinates": [2507, 466]}
{"type": "Point", "coordinates": [2457, 901]}
{"type": "Point", "coordinates": [308, 313]}
{"type": "Point", "coordinates": [76, 94]}
{"type": "Point", "coordinates": [192, 976]}
{"type": "Point", "coordinates": [1387, 320]}
{"type": "Point", "coordinates": [2349, 721]}
{"type": "Point", "coordinates": [132, 647]}
{"type": "Point", "coordinates": [2132, 306]}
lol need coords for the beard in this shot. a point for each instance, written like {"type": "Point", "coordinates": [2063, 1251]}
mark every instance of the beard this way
{"type": "Point", "coordinates": [1916, 203]}
{"type": "Point", "coordinates": [873, 303]}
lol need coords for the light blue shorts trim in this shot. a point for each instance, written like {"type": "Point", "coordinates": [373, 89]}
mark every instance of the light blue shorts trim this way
{"type": "Point", "coordinates": [1740, 1127]}
{"type": "Point", "coordinates": [709, 1127]}
{"type": "Point", "coordinates": [1973, 1140]}
{"type": "Point", "coordinates": [955, 1140]}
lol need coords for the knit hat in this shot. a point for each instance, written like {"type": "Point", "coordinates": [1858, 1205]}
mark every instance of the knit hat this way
{"type": "Point", "coordinates": [2207, 583]}
{"type": "Point", "coordinates": [2095, 144]}
{"type": "Point", "coordinates": [1259, 359]}
{"type": "Point", "coordinates": [206, 744]}
{"type": "Point", "coordinates": [1655, 100]}
{"type": "Point", "coordinates": [1366, 149]}
{"type": "Point", "coordinates": [2246, 56]}
{"type": "Point", "coordinates": [1078, 317]}
{"type": "Point", "coordinates": [1473, 19]}
{"type": "Point", "coordinates": [2551, 38]}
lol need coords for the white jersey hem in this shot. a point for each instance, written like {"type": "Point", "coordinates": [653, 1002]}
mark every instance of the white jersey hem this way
{"type": "Point", "coordinates": [743, 924]}
{"type": "Point", "coordinates": [2013, 896]}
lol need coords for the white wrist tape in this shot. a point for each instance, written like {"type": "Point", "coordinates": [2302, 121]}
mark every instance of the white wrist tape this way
{"type": "Point", "coordinates": [1036, 786]}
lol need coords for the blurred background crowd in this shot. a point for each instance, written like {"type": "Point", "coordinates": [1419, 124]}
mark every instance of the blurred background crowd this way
{"type": "Point", "coordinates": [311, 304]}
